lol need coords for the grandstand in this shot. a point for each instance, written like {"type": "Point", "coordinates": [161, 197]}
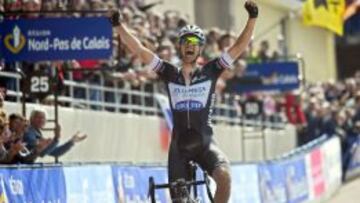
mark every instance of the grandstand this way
{"type": "Point", "coordinates": [84, 120]}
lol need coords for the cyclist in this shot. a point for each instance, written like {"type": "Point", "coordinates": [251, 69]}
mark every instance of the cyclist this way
{"type": "Point", "coordinates": [191, 93]}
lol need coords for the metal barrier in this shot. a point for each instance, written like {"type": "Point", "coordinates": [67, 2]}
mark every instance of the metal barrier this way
{"type": "Point", "coordinates": [136, 101]}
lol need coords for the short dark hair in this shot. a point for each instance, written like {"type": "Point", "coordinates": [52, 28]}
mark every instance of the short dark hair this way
{"type": "Point", "coordinates": [15, 116]}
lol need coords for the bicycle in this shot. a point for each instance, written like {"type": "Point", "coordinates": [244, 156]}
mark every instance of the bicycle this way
{"type": "Point", "coordinates": [180, 187]}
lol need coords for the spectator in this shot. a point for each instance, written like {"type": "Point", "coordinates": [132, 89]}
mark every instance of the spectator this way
{"type": "Point", "coordinates": [13, 5]}
{"type": "Point", "coordinates": [270, 108]}
{"type": "Point", "coordinates": [211, 49]}
{"type": "Point", "coordinates": [293, 109]}
{"type": "Point", "coordinates": [264, 52]}
{"type": "Point", "coordinates": [157, 32]}
{"type": "Point", "coordinates": [3, 139]}
{"type": "Point", "coordinates": [3, 129]}
{"type": "Point", "coordinates": [250, 54]}
{"type": "Point", "coordinates": [17, 125]}
{"type": "Point", "coordinates": [313, 121]}
{"type": "Point", "coordinates": [3, 114]}
{"type": "Point", "coordinates": [275, 56]}
{"type": "Point", "coordinates": [2, 9]}
{"type": "Point", "coordinates": [31, 5]}
{"type": "Point", "coordinates": [165, 53]}
{"type": "Point", "coordinates": [41, 146]}
{"type": "Point", "coordinates": [127, 15]}
{"type": "Point", "coordinates": [50, 5]}
{"type": "Point", "coordinates": [225, 41]}
{"type": "Point", "coordinates": [16, 149]}
{"type": "Point", "coordinates": [93, 77]}
{"type": "Point", "coordinates": [156, 24]}
{"type": "Point", "coordinates": [77, 5]}
{"type": "Point", "coordinates": [97, 5]}
{"type": "Point", "coordinates": [349, 147]}
{"type": "Point", "coordinates": [241, 78]}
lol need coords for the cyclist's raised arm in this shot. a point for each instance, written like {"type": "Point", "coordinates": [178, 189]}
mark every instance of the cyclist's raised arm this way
{"type": "Point", "coordinates": [130, 41]}
{"type": "Point", "coordinates": [243, 40]}
{"type": "Point", "coordinates": [153, 62]}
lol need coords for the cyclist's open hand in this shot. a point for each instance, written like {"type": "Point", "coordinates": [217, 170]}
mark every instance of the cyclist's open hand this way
{"type": "Point", "coordinates": [252, 9]}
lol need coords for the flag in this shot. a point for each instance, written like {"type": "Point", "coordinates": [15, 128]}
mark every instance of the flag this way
{"type": "Point", "coordinates": [165, 127]}
{"type": "Point", "coordinates": [164, 103]}
{"type": "Point", "coordinates": [325, 13]}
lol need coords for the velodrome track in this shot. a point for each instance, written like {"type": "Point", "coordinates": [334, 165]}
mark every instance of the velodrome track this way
{"type": "Point", "coordinates": [348, 193]}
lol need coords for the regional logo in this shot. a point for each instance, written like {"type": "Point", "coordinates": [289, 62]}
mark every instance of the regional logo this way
{"type": "Point", "coordinates": [15, 41]}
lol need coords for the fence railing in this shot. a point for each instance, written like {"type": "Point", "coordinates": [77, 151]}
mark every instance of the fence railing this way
{"type": "Point", "coordinates": [124, 99]}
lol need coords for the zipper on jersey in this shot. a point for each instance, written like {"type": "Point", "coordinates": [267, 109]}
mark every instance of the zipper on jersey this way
{"type": "Point", "coordinates": [187, 88]}
{"type": "Point", "coordinates": [188, 104]}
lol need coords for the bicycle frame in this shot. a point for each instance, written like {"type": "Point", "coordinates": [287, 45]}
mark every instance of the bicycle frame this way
{"type": "Point", "coordinates": [193, 183]}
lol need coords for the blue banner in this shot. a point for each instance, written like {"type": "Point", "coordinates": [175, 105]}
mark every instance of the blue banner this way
{"type": "Point", "coordinates": [55, 39]}
{"type": "Point", "coordinates": [89, 184]}
{"type": "Point", "coordinates": [160, 176]}
{"type": "Point", "coordinates": [3, 191]}
{"type": "Point", "coordinates": [118, 183]}
{"type": "Point", "coordinates": [296, 180]}
{"type": "Point", "coordinates": [279, 76]}
{"type": "Point", "coordinates": [272, 182]}
{"type": "Point", "coordinates": [355, 155]}
{"type": "Point", "coordinates": [351, 158]}
{"type": "Point", "coordinates": [130, 183]}
{"type": "Point", "coordinates": [40, 185]}
{"type": "Point", "coordinates": [245, 187]}
{"type": "Point", "coordinates": [286, 180]}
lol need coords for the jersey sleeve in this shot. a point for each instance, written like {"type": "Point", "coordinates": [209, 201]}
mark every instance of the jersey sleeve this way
{"type": "Point", "coordinates": [163, 69]}
{"type": "Point", "coordinates": [218, 65]}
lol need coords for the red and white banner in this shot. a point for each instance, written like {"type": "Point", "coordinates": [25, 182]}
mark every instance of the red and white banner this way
{"type": "Point", "coordinates": [315, 171]}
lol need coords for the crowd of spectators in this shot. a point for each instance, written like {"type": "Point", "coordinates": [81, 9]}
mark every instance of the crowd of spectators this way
{"type": "Point", "coordinates": [333, 109]}
{"type": "Point", "coordinates": [22, 141]}
{"type": "Point", "coordinates": [157, 31]}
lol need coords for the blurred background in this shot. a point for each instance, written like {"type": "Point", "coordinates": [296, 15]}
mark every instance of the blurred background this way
{"type": "Point", "coordinates": [287, 114]}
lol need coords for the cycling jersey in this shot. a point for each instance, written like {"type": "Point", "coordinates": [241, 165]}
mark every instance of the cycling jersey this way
{"type": "Point", "coordinates": [192, 104]}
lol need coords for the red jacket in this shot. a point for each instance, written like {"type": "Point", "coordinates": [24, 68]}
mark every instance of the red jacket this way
{"type": "Point", "coordinates": [294, 112]}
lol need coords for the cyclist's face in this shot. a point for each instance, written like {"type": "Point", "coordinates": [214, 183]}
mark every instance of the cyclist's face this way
{"type": "Point", "coordinates": [190, 48]}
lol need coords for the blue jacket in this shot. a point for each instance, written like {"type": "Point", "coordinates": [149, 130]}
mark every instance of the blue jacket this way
{"type": "Point", "coordinates": [32, 136]}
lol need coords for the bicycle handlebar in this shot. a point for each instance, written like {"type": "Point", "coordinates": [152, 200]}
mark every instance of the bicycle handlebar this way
{"type": "Point", "coordinates": [187, 183]}
{"type": "Point", "coordinates": [182, 183]}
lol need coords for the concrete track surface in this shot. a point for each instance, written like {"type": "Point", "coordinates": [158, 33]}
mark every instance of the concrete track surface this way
{"type": "Point", "coordinates": [348, 193]}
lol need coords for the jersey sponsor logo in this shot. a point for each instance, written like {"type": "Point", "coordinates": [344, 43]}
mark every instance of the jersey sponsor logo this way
{"type": "Point", "coordinates": [190, 103]}
{"type": "Point", "coordinates": [193, 97]}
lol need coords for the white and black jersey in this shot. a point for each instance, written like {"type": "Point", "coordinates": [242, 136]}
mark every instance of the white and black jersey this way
{"type": "Point", "coordinates": [192, 104]}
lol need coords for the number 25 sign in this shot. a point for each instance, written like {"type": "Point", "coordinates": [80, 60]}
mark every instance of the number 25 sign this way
{"type": "Point", "coordinates": [38, 85]}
